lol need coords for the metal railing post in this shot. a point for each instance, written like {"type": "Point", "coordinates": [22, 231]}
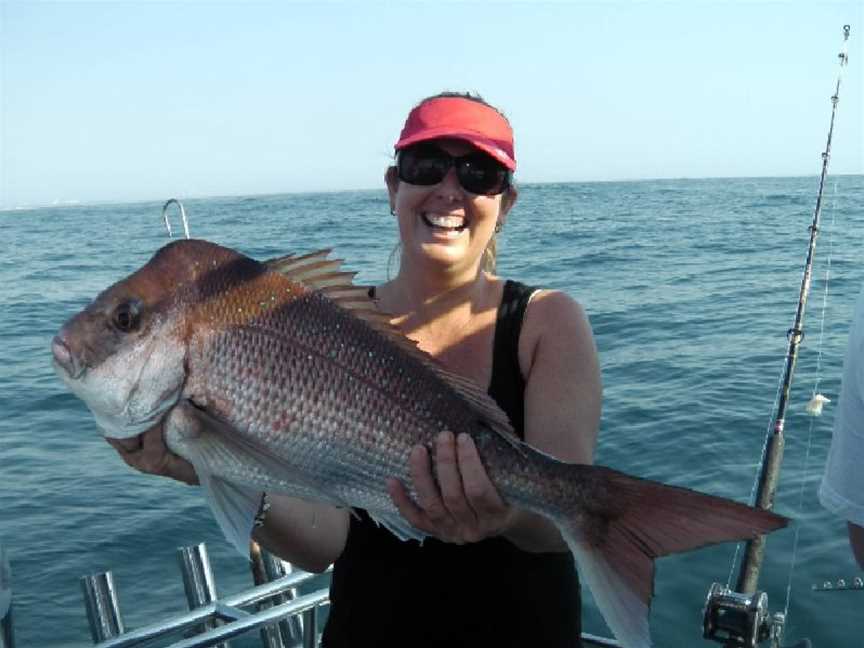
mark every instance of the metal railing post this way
{"type": "Point", "coordinates": [7, 638]}
{"type": "Point", "coordinates": [266, 568]}
{"type": "Point", "coordinates": [198, 580]}
{"type": "Point", "coordinates": [310, 627]}
{"type": "Point", "coordinates": [103, 609]}
{"type": "Point", "coordinates": [229, 609]}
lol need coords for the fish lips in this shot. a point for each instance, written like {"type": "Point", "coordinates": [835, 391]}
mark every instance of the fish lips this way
{"type": "Point", "coordinates": [67, 365]}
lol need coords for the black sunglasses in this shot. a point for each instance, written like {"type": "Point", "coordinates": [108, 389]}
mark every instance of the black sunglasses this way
{"type": "Point", "coordinates": [426, 164]}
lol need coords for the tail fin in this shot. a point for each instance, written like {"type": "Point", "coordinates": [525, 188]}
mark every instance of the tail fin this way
{"type": "Point", "coordinates": [623, 523]}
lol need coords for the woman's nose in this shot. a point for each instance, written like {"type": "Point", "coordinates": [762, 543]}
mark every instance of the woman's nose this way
{"type": "Point", "coordinates": [449, 185]}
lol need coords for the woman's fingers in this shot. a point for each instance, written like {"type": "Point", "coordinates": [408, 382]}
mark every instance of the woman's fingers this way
{"type": "Point", "coordinates": [494, 516]}
{"type": "Point", "coordinates": [129, 445]}
{"type": "Point", "coordinates": [456, 501]}
{"type": "Point", "coordinates": [153, 454]}
{"type": "Point", "coordinates": [407, 508]}
{"type": "Point", "coordinates": [447, 468]}
{"type": "Point", "coordinates": [437, 518]}
{"type": "Point", "coordinates": [126, 450]}
{"type": "Point", "coordinates": [479, 490]}
{"type": "Point", "coordinates": [427, 512]}
{"type": "Point", "coordinates": [148, 453]}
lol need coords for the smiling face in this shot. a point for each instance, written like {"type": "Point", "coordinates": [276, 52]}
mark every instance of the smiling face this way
{"type": "Point", "coordinates": [443, 225]}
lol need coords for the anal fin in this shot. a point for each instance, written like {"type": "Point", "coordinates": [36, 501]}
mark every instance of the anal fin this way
{"type": "Point", "coordinates": [398, 526]}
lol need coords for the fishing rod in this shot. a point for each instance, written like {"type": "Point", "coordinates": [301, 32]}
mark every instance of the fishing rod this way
{"type": "Point", "coordinates": [740, 617]}
{"type": "Point", "coordinates": [749, 574]}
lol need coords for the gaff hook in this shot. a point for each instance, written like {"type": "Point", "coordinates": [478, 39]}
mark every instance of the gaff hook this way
{"type": "Point", "coordinates": [182, 216]}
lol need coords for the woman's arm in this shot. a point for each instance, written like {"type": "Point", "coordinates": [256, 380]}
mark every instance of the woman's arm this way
{"type": "Point", "coordinates": [563, 395]}
{"type": "Point", "coordinates": [563, 392]}
{"type": "Point", "coordinates": [309, 535]}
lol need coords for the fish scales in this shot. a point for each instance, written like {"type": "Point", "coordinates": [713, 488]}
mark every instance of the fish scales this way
{"type": "Point", "coordinates": [320, 398]}
{"type": "Point", "coordinates": [327, 376]}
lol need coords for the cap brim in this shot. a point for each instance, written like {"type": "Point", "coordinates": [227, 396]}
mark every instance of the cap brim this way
{"type": "Point", "coordinates": [485, 144]}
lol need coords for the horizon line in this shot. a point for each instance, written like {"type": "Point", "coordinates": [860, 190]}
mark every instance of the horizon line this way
{"type": "Point", "coordinates": [74, 202]}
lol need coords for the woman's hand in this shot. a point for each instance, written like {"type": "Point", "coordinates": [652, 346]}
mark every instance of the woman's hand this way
{"type": "Point", "coordinates": [148, 453]}
{"type": "Point", "coordinates": [463, 506]}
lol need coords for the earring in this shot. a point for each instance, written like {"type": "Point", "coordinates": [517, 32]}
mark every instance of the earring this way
{"type": "Point", "coordinates": [498, 226]}
{"type": "Point", "coordinates": [392, 212]}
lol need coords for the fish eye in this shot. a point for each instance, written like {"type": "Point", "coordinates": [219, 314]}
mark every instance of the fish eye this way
{"type": "Point", "coordinates": [126, 317]}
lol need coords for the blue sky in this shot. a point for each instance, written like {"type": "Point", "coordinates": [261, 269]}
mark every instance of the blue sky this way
{"type": "Point", "coordinates": [146, 100]}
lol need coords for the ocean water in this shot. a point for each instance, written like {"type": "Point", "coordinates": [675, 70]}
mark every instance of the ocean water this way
{"type": "Point", "coordinates": [690, 286]}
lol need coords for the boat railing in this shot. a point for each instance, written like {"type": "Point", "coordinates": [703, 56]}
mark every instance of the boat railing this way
{"type": "Point", "coordinates": [273, 606]}
{"type": "Point", "coordinates": [283, 618]}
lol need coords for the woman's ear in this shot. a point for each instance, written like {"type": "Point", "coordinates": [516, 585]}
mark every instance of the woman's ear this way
{"type": "Point", "coordinates": [392, 181]}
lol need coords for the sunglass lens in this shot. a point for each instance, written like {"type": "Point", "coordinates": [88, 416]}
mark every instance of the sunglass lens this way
{"type": "Point", "coordinates": [480, 174]}
{"type": "Point", "coordinates": [423, 166]}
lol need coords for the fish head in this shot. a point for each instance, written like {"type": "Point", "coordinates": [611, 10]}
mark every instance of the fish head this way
{"type": "Point", "coordinates": [124, 354]}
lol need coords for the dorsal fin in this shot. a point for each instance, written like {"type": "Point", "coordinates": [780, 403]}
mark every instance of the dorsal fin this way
{"type": "Point", "coordinates": [347, 292]}
{"type": "Point", "coordinates": [314, 270]}
{"type": "Point", "coordinates": [317, 273]}
{"type": "Point", "coordinates": [288, 261]}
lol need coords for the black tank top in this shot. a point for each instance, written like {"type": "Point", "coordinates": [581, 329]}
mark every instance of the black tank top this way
{"type": "Point", "coordinates": [386, 592]}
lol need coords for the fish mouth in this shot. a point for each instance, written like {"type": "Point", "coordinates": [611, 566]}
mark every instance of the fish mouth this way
{"type": "Point", "coordinates": [65, 360]}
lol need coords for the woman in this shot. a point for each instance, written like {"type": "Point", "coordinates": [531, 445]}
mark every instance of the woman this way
{"type": "Point", "coordinates": [495, 576]}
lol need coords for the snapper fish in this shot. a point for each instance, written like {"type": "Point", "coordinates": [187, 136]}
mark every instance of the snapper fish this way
{"type": "Point", "coordinates": [316, 395]}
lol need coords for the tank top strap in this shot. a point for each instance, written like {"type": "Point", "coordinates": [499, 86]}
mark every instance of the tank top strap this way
{"type": "Point", "coordinates": [507, 386]}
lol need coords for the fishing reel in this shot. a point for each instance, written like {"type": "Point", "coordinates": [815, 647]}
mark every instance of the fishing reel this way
{"type": "Point", "coordinates": [742, 620]}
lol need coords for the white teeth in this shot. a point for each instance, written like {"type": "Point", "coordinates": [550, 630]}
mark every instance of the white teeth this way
{"type": "Point", "coordinates": [445, 221]}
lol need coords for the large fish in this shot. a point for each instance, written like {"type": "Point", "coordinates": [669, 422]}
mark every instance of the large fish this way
{"type": "Point", "coordinates": [319, 397]}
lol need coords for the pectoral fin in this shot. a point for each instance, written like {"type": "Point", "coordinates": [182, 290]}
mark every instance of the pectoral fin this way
{"type": "Point", "coordinates": [211, 447]}
{"type": "Point", "coordinates": [234, 507]}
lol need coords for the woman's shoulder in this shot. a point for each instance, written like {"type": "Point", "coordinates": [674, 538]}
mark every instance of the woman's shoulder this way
{"type": "Point", "coordinates": [554, 319]}
{"type": "Point", "coordinates": [549, 310]}
{"type": "Point", "coordinates": [546, 305]}
{"type": "Point", "coordinates": [553, 301]}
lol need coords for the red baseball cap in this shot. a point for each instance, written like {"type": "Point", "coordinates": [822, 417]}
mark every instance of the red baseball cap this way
{"type": "Point", "coordinates": [461, 118]}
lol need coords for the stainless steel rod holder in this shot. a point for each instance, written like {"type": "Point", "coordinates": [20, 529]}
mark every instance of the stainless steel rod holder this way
{"type": "Point", "coordinates": [103, 608]}
{"type": "Point", "coordinates": [197, 575]}
{"type": "Point", "coordinates": [7, 638]}
{"type": "Point", "coordinates": [198, 580]}
{"type": "Point", "coordinates": [266, 567]}
{"type": "Point", "coordinates": [291, 628]}
{"type": "Point", "coordinates": [310, 627]}
{"type": "Point", "coordinates": [190, 620]}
